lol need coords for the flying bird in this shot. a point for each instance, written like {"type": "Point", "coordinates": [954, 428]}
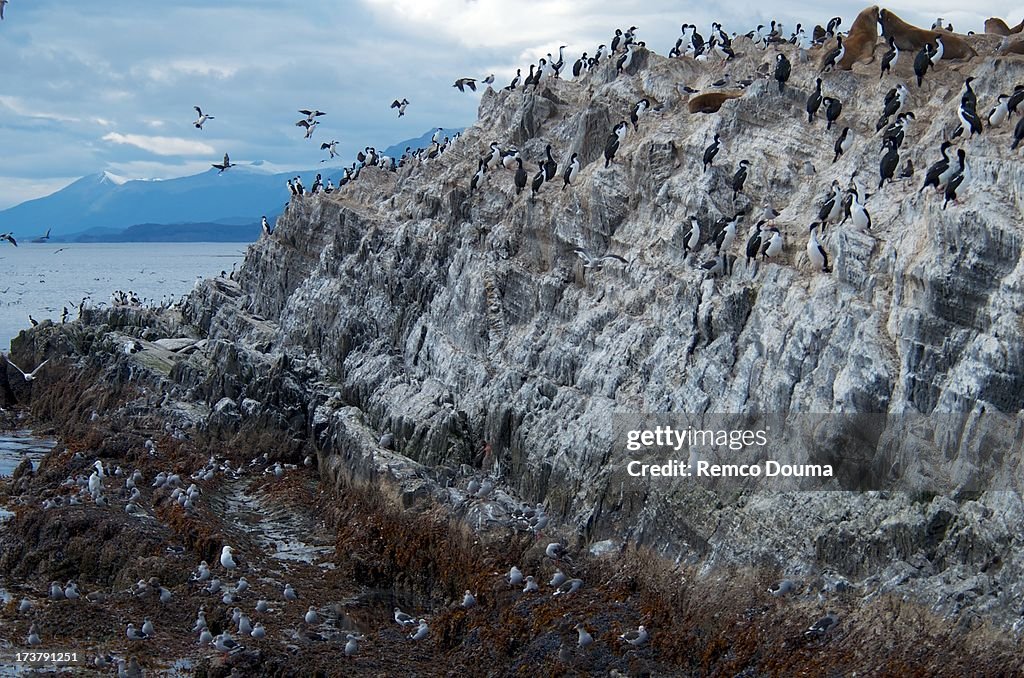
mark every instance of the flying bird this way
{"type": "Point", "coordinates": [9, 237]}
{"type": "Point", "coordinates": [225, 165]}
{"type": "Point", "coordinates": [400, 105]}
{"type": "Point", "coordinates": [597, 263]}
{"type": "Point", "coordinates": [310, 126]}
{"type": "Point", "coordinates": [463, 83]}
{"type": "Point", "coordinates": [29, 376]}
{"type": "Point", "coordinates": [203, 117]}
{"type": "Point", "coordinates": [2, 3]}
{"type": "Point", "coordinates": [330, 148]}
{"type": "Point", "coordinates": [310, 115]}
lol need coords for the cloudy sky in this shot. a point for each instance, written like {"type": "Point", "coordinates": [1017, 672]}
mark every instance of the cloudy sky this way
{"type": "Point", "coordinates": [110, 85]}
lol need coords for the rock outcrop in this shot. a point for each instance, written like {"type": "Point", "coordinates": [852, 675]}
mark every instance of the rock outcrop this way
{"type": "Point", "coordinates": [464, 325]}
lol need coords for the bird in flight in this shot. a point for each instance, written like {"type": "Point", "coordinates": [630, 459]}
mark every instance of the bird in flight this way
{"type": "Point", "coordinates": [9, 237]}
{"type": "Point", "coordinates": [310, 115]}
{"type": "Point", "coordinates": [202, 118]}
{"type": "Point", "coordinates": [29, 376]}
{"type": "Point", "coordinates": [223, 166]}
{"type": "Point", "coordinates": [310, 126]}
{"type": "Point", "coordinates": [400, 105]}
{"type": "Point", "coordinates": [330, 148]}
{"type": "Point", "coordinates": [2, 3]}
{"type": "Point", "coordinates": [463, 83]}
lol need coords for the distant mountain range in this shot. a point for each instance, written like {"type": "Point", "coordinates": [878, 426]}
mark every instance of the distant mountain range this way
{"type": "Point", "coordinates": [209, 206]}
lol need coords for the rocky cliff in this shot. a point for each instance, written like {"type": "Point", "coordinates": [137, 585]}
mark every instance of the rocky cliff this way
{"type": "Point", "coordinates": [463, 323]}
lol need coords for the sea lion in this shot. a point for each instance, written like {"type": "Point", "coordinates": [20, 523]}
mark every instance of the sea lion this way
{"type": "Point", "coordinates": [996, 26]}
{"type": "Point", "coordinates": [860, 42]}
{"type": "Point", "coordinates": [910, 39]}
{"type": "Point", "coordinates": [710, 102]}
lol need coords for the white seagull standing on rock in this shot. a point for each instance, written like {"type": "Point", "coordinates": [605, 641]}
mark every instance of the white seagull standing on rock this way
{"type": "Point", "coordinates": [226, 559]}
{"type": "Point", "coordinates": [403, 619]}
{"type": "Point", "coordinates": [421, 632]}
{"type": "Point", "coordinates": [636, 638]}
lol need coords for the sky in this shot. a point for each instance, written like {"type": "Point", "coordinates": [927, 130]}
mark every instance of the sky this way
{"type": "Point", "coordinates": [109, 86]}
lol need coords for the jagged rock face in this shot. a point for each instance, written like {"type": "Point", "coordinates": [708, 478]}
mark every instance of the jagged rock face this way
{"type": "Point", "coordinates": [453, 319]}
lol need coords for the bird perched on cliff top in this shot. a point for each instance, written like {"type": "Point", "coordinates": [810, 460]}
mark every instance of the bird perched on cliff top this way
{"type": "Point", "coordinates": [691, 239]}
{"type": "Point", "coordinates": [955, 182]}
{"type": "Point", "coordinates": [887, 165]}
{"type": "Point", "coordinates": [520, 176]}
{"type": "Point", "coordinates": [938, 169]}
{"type": "Point", "coordinates": [782, 70]}
{"type": "Point", "coordinates": [571, 170]}
{"type": "Point", "coordinates": [843, 143]}
{"type": "Point", "coordinates": [937, 51]}
{"type": "Point", "coordinates": [515, 81]}
{"type": "Point", "coordinates": [753, 247]}
{"type": "Point", "coordinates": [463, 83]}
{"type": "Point", "coordinates": [421, 632]}
{"type": "Point", "coordinates": [310, 126]}
{"type": "Point", "coordinates": [226, 559]}
{"type": "Point", "coordinates": [814, 101]}
{"type": "Point", "coordinates": [267, 230]}
{"type": "Point", "coordinates": [710, 152]}
{"type": "Point", "coordinates": [835, 55]}
{"type": "Point", "coordinates": [823, 625]}
{"type": "Point", "coordinates": [639, 108]}
{"type": "Point", "coordinates": [203, 117]}
{"type": "Point", "coordinates": [585, 640]}
{"type": "Point", "coordinates": [224, 165]}
{"type": "Point", "coordinates": [922, 62]}
{"type": "Point", "coordinates": [833, 107]}
{"type": "Point", "coordinates": [134, 633]}
{"type": "Point", "coordinates": [890, 58]}
{"type": "Point", "coordinates": [815, 252]}
{"type": "Point", "coordinates": [402, 619]}
{"type": "Point", "coordinates": [739, 178]}
{"type": "Point", "coordinates": [489, 80]}
{"type": "Point", "coordinates": [28, 376]}
{"type": "Point", "coordinates": [538, 181]}
{"type": "Point", "coordinates": [636, 638]}
{"type": "Point", "coordinates": [782, 588]}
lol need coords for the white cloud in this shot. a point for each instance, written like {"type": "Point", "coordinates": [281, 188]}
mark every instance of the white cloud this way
{"type": "Point", "coordinates": [18, 106]}
{"type": "Point", "coordinates": [160, 145]}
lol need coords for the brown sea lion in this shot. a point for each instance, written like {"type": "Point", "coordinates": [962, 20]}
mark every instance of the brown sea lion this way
{"type": "Point", "coordinates": [710, 102]}
{"type": "Point", "coordinates": [861, 41]}
{"type": "Point", "coordinates": [996, 26]}
{"type": "Point", "coordinates": [911, 38]}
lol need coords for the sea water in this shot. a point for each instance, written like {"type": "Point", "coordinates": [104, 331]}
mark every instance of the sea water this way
{"type": "Point", "coordinates": [41, 279]}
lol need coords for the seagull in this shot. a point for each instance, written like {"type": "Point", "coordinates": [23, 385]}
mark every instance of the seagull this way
{"type": "Point", "coordinates": [33, 631]}
{"type": "Point", "coordinates": [135, 634]}
{"type": "Point", "coordinates": [9, 237]}
{"type": "Point", "coordinates": [311, 616]}
{"type": "Point", "coordinates": [596, 263]}
{"type": "Point", "coordinates": [225, 165]}
{"type": "Point", "coordinates": [258, 631]}
{"type": "Point", "coordinates": [421, 632]}
{"type": "Point", "coordinates": [823, 625]}
{"type": "Point", "coordinates": [531, 585]}
{"type": "Point", "coordinates": [29, 376]}
{"type": "Point", "coordinates": [400, 105]}
{"type": "Point", "coordinates": [352, 644]}
{"type": "Point", "coordinates": [310, 115]}
{"type": "Point", "coordinates": [225, 643]}
{"type": "Point", "coordinates": [515, 576]}
{"type": "Point", "coordinates": [569, 586]}
{"type": "Point", "coordinates": [147, 626]}
{"type": "Point", "coordinates": [226, 559]}
{"type": "Point", "coordinates": [262, 605]}
{"type": "Point", "coordinates": [556, 551]}
{"type": "Point", "coordinates": [636, 638]}
{"type": "Point", "coordinates": [203, 117]}
{"type": "Point", "coordinates": [585, 639]}
{"type": "Point", "coordinates": [782, 588]}
{"type": "Point", "coordinates": [289, 593]}
{"type": "Point", "coordinates": [558, 578]}
{"type": "Point", "coordinates": [463, 83]}
{"type": "Point", "coordinates": [310, 126]}
{"type": "Point", "coordinates": [489, 79]}
{"type": "Point", "coordinates": [468, 600]}
{"type": "Point", "coordinates": [403, 619]}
